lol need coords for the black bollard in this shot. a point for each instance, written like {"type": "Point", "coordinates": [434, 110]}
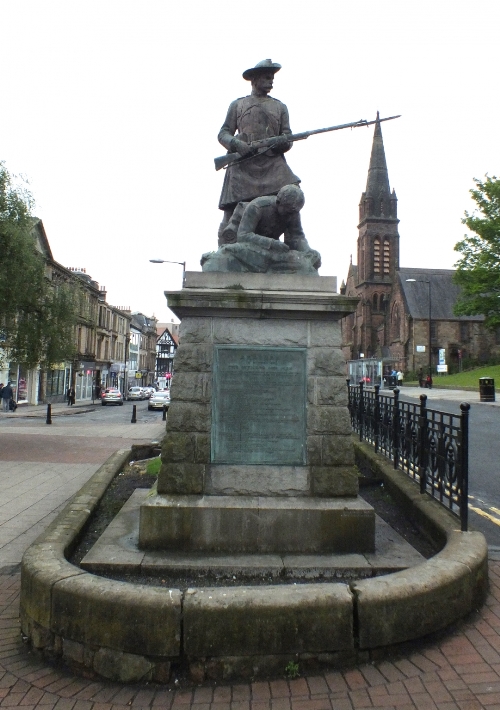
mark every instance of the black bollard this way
{"type": "Point", "coordinates": [134, 414]}
{"type": "Point", "coordinates": [164, 413]}
{"type": "Point", "coordinates": [49, 414]}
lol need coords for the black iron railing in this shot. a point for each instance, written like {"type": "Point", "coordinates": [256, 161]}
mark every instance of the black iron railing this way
{"type": "Point", "coordinates": [429, 446]}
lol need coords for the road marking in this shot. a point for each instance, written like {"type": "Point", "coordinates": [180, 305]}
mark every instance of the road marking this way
{"type": "Point", "coordinates": [486, 515]}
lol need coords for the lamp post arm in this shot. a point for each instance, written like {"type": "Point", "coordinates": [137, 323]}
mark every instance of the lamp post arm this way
{"type": "Point", "coordinates": [167, 261]}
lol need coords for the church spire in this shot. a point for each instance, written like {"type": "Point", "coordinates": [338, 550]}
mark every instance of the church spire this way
{"type": "Point", "coordinates": [376, 200]}
{"type": "Point", "coordinates": [377, 184]}
{"type": "Point", "coordinates": [378, 240]}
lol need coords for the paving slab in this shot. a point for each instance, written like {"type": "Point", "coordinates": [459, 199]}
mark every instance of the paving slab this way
{"type": "Point", "coordinates": [42, 466]}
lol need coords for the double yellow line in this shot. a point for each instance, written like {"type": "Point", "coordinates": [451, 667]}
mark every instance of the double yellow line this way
{"type": "Point", "coordinates": [493, 516]}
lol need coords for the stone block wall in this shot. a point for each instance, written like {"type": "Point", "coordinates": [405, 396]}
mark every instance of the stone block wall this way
{"type": "Point", "coordinates": [186, 455]}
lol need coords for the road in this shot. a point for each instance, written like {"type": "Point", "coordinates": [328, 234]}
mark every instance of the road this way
{"type": "Point", "coordinates": [42, 466]}
{"type": "Point", "coordinates": [484, 455]}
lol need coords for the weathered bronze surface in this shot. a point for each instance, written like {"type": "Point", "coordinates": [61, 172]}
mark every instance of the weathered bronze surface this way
{"type": "Point", "coordinates": [258, 412]}
{"type": "Point", "coordinates": [249, 119]}
{"type": "Point", "coordinates": [256, 247]}
{"type": "Point", "coordinates": [251, 240]}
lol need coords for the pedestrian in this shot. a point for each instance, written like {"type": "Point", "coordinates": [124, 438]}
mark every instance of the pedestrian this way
{"type": "Point", "coordinates": [400, 377]}
{"type": "Point", "coordinates": [70, 395]}
{"type": "Point", "coordinates": [6, 396]}
{"type": "Point", "coordinates": [420, 377]}
{"type": "Point", "coordinates": [428, 381]}
{"type": "Point", "coordinates": [1, 388]}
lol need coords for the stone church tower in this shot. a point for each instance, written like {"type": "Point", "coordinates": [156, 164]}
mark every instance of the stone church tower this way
{"type": "Point", "coordinates": [392, 322]}
{"type": "Point", "coordinates": [378, 257]}
{"type": "Point", "coordinates": [378, 240]}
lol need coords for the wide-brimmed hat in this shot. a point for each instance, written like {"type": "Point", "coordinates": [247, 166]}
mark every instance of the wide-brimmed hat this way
{"type": "Point", "coordinates": [264, 65]}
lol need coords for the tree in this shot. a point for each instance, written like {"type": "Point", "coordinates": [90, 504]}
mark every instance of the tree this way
{"type": "Point", "coordinates": [37, 317]}
{"type": "Point", "coordinates": [478, 270]}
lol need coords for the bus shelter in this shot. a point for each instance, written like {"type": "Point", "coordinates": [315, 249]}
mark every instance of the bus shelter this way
{"type": "Point", "coordinates": [373, 372]}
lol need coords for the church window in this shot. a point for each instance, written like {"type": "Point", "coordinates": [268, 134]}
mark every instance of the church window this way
{"type": "Point", "coordinates": [387, 256]}
{"type": "Point", "coordinates": [375, 302]}
{"type": "Point", "coordinates": [376, 256]}
{"type": "Point", "coordinates": [464, 332]}
{"type": "Point", "coordinates": [396, 321]}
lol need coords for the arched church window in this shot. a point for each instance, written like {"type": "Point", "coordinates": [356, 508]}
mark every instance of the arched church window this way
{"type": "Point", "coordinates": [375, 302]}
{"type": "Point", "coordinates": [395, 321]}
{"type": "Point", "coordinates": [376, 255]}
{"type": "Point", "coordinates": [387, 256]}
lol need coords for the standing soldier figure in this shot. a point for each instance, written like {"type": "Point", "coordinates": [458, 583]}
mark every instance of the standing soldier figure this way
{"type": "Point", "coordinates": [248, 119]}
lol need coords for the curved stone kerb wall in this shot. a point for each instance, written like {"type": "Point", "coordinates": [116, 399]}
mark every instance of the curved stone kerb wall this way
{"type": "Point", "coordinates": [131, 632]}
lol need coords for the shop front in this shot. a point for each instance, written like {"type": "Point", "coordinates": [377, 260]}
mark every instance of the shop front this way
{"type": "Point", "coordinates": [84, 381]}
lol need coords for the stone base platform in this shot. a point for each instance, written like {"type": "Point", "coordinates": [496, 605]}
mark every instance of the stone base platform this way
{"type": "Point", "coordinates": [256, 524]}
{"type": "Point", "coordinates": [117, 552]}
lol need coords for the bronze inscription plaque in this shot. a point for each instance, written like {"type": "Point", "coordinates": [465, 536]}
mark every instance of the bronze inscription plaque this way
{"type": "Point", "coordinates": [259, 406]}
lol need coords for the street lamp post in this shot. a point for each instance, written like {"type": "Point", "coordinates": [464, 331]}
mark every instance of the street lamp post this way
{"type": "Point", "coordinates": [428, 282]}
{"type": "Point", "coordinates": [166, 261]}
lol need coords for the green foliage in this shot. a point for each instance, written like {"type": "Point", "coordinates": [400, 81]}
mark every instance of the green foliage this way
{"type": "Point", "coordinates": [153, 467]}
{"type": "Point", "coordinates": [292, 670]}
{"type": "Point", "coordinates": [37, 318]}
{"type": "Point", "coordinates": [478, 270]}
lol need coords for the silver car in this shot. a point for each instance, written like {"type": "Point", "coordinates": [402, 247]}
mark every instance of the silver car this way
{"type": "Point", "coordinates": [136, 393]}
{"type": "Point", "coordinates": [111, 395]}
{"type": "Point", "coordinates": [159, 399]}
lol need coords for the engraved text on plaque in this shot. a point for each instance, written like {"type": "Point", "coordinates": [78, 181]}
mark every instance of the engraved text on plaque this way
{"type": "Point", "coordinates": [259, 406]}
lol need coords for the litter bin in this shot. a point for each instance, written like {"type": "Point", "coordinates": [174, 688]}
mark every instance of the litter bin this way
{"type": "Point", "coordinates": [486, 389]}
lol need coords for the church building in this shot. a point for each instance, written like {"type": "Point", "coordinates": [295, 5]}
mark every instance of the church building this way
{"type": "Point", "coordinates": [405, 315]}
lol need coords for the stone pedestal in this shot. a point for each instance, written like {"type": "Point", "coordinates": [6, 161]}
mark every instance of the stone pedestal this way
{"type": "Point", "coordinates": [258, 455]}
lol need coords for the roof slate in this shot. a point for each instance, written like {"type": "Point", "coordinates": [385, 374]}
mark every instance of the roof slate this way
{"type": "Point", "coordinates": [444, 294]}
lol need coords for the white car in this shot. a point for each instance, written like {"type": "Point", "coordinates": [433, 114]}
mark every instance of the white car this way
{"type": "Point", "coordinates": [149, 391]}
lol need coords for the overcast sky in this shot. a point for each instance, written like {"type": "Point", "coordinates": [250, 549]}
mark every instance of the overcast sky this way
{"type": "Point", "coordinates": [111, 109]}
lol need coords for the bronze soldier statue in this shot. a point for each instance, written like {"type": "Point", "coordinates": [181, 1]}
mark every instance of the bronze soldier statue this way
{"type": "Point", "coordinates": [248, 119]}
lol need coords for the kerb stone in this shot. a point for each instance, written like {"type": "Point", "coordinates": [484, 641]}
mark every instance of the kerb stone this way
{"type": "Point", "coordinates": [268, 620]}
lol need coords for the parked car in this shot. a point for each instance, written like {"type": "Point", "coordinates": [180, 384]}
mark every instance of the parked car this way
{"type": "Point", "coordinates": [111, 395]}
{"type": "Point", "coordinates": [136, 393]}
{"type": "Point", "coordinates": [159, 399]}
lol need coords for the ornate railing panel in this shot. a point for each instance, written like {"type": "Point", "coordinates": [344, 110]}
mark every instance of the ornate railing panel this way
{"type": "Point", "coordinates": [431, 447]}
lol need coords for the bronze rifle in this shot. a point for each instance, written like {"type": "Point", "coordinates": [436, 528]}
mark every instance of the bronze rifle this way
{"type": "Point", "coordinates": [259, 147]}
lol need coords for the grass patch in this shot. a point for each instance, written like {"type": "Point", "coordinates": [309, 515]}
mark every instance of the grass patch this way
{"type": "Point", "coordinates": [153, 467]}
{"type": "Point", "coordinates": [469, 378]}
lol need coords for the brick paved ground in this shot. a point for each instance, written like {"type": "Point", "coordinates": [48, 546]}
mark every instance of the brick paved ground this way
{"type": "Point", "coordinates": [458, 669]}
